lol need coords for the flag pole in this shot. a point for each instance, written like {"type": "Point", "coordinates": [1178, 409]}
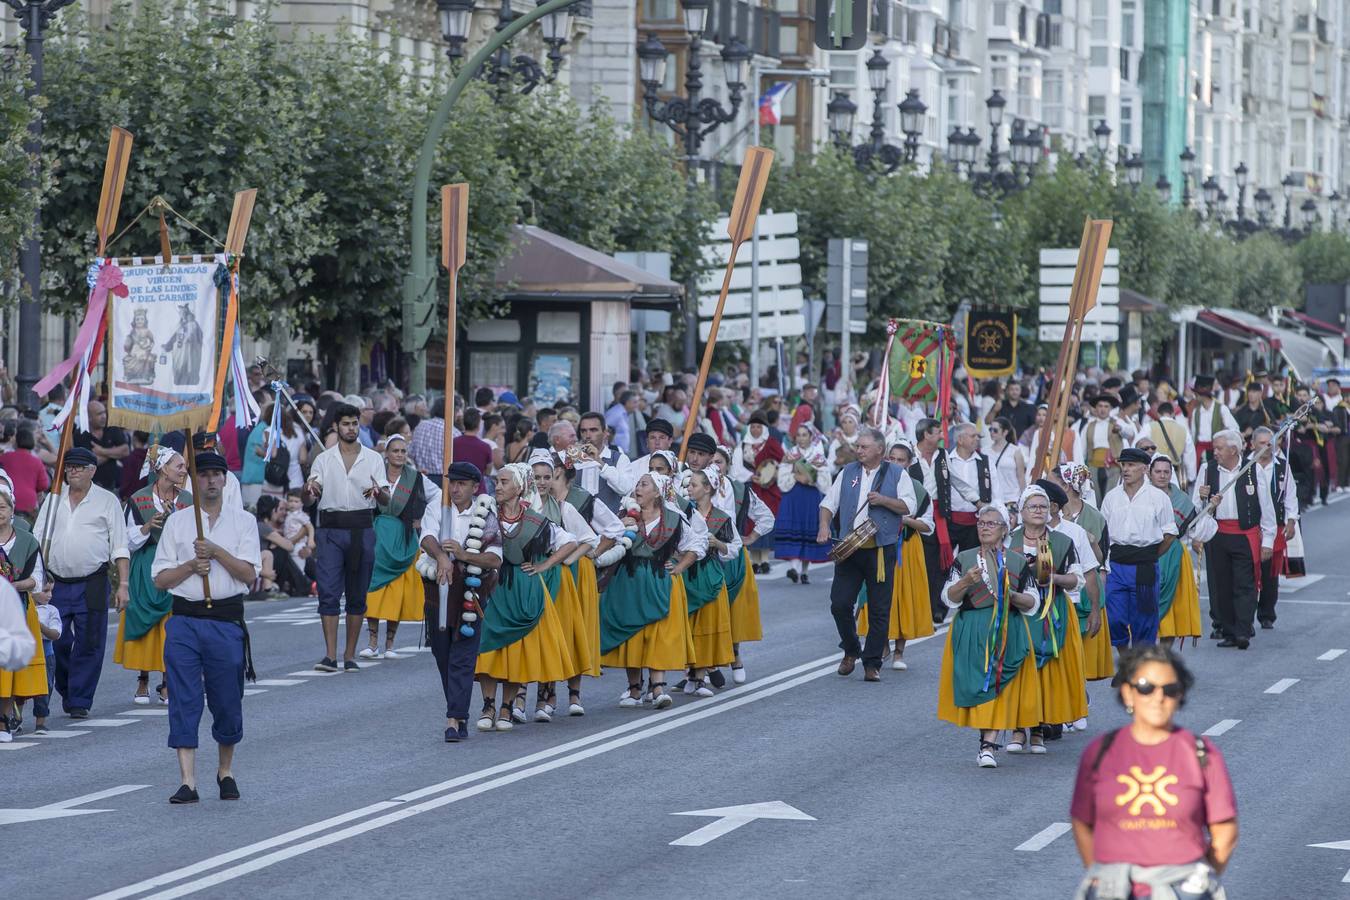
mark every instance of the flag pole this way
{"type": "Point", "coordinates": [454, 239]}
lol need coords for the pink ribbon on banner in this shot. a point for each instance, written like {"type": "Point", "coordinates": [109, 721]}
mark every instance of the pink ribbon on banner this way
{"type": "Point", "coordinates": [109, 280]}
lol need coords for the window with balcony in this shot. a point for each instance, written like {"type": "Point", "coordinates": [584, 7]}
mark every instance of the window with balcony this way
{"type": "Point", "coordinates": [1127, 23]}
{"type": "Point", "coordinates": [654, 11]}
{"type": "Point", "coordinates": [1124, 64]}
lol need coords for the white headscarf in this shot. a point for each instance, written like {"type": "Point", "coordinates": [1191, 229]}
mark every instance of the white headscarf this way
{"type": "Point", "coordinates": [1032, 490]}
{"type": "Point", "coordinates": [156, 458]}
{"type": "Point", "coordinates": [662, 483]}
{"type": "Point", "coordinates": [671, 459]}
{"type": "Point", "coordinates": [523, 476]}
{"type": "Point", "coordinates": [993, 507]}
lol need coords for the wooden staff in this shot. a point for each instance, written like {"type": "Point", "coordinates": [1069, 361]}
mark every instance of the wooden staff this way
{"type": "Point", "coordinates": [197, 505]}
{"type": "Point", "coordinates": [740, 226]}
{"type": "Point", "coordinates": [454, 241]}
{"type": "Point", "coordinates": [1087, 277]}
{"type": "Point", "coordinates": [109, 202]}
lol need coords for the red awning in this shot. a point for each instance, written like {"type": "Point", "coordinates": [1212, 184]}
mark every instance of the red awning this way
{"type": "Point", "coordinates": [1318, 324]}
{"type": "Point", "coordinates": [1233, 328]}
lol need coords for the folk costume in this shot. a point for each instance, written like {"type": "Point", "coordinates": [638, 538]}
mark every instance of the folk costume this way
{"type": "Point", "coordinates": [1138, 524]}
{"type": "Point", "coordinates": [1285, 502]}
{"type": "Point", "coordinates": [344, 534]}
{"type": "Point", "coordinates": [1098, 660]}
{"type": "Point", "coordinates": [141, 632]}
{"type": "Point", "coordinates": [1101, 441]}
{"type": "Point", "coordinates": [760, 455]}
{"type": "Point", "coordinates": [1178, 591]}
{"type": "Point", "coordinates": [873, 565]}
{"type": "Point", "coordinates": [85, 541]}
{"type": "Point", "coordinates": [708, 592]}
{"type": "Point", "coordinates": [753, 517]}
{"type": "Point", "coordinates": [1246, 526]}
{"type": "Point", "coordinates": [588, 571]}
{"type": "Point", "coordinates": [565, 595]}
{"type": "Point", "coordinates": [803, 475]}
{"type": "Point", "coordinates": [911, 616]}
{"type": "Point", "coordinates": [1208, 417]}
{"type": "Point", "coordinates": [21, 559]}
{"type": "Point", "coordinates": [396, 593]}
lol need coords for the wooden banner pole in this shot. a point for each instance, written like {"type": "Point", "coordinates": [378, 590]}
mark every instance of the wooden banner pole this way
{"type": "Point", "coordinates": [454, 245]}
{"type": "Point", "coordinates": [740, 227]}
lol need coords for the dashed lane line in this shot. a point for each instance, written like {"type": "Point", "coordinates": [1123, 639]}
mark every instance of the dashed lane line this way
{"type": "Point", "coordinates": [104, 723]}
{"type": "Point", "coordinates": [161, 711]}
{"type": "Point", "coordinates": [278, 682]}
{"type": "Point", "coordinates": [1221, 727]}
{"type": "Point", "coordinates": [1044, 838]}
{"type": "Point", "coordinates": [56, 734]}
{"type": "Point", "coordinates": [1281, 686]}
{"type": "Point", "coordinates": [17, 745]}
{"type": "Point", "coordinates": [1330, 655]}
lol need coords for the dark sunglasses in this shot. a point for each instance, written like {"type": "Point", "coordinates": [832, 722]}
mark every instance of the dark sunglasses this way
{"type": "Point", "coordinates": [1172, 690]}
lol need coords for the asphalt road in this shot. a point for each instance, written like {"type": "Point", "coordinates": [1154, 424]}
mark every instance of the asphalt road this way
{"type": "Point", "coordinates": [349, 791]}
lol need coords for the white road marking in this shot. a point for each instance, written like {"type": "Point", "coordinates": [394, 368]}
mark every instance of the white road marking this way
{"type": "Point", "coordinates": [413, 650]}
{"type": "Point", "coordinates": [649, 727]}
{"type": "Point", "coordinates": [1330, 655]}
{"type": "Point", "coordinates": [64, 808]}
{"type": "Point", "coordinates": [104, 723]}
{"type": "Point", "coordinates": [1336, 845]}
{"type": "Point", "coordinates": [249, 692]}
{"type": "Point", "coordinates": [1293, 585]}
{"type": "Point", "coordinates": [312, 673]}
{"type": "Point", "coordinates": [367, 665]}
{"type": "Point", "coordinates": [729, 818]}
{"type": "Point", "coordinates": [1221, 727]}
{"type": "Point", "coordinates": [57, 734]}
{"type": "Point", "coordinates": [161, 711]}
{"type": "Point", "coordinates": [97, 795]}
{"type": "Point", "coordinates": [16, 745]}
{"type": "Point", "coordinates": [1317, 602]}
{"type": "Point", "coordinates": [279, 682]}
{"type": "Point", "coordinates": [1043, 838]}
{"type": "Point", "coordinates": [1281, 686]}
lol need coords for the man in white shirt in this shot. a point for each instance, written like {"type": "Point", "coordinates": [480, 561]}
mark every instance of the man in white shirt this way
{"type": "Point", "coordinates": [601, 472]}
{"type": "Point", "coordinates": [1103, 435]}
{"type": "Point", "coordinates": [965, 486]}
{"type": "Point", "coordinates": [1208, 417]}
{"type": "Point", "coordinates": [349, 480]}
{"type": "Point", "coordinates": [1245, 539]}
{"type": "Point", "coordinates": [1273, 468]}
{"type": "Point", "coordinates": [1174, 441]}
{"type": "Point", "coordinates": [882, 491]}
{"type": "Point", "coordinates": [1141, 525]}
{"type": "Point", "coordinates": [206, 647]}
{"type": "Point", "coordinates": [88, 532]}
{"type": "Point", "coordinates": [456, 648]}
{"type": "Point", "coordinates": [660, 435]}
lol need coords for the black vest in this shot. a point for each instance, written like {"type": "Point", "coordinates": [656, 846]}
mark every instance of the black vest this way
{"type": "Point", "coordinates": [741, 492]}
{"type": "Point", "coordinates": [605, 493]}
{"type": "Point", "coordinates": [1277, 489]}
{"type": "Point", "coordinates": [943, 481]}
{"type": "Point", "coordinates": [1244, 492]}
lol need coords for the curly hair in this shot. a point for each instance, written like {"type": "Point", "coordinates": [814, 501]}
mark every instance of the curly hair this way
{"type": "Point", "coordinates": [1135, 658]}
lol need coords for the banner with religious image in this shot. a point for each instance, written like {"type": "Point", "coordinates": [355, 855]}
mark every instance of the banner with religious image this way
{"type": "Point", "coordinates": [163, 339]}
{"type": "Point", "coordinates": [991, 343]}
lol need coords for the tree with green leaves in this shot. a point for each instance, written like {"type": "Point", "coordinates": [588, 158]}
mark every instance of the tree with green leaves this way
{"type": "Point", "coordinates": [19, 182]}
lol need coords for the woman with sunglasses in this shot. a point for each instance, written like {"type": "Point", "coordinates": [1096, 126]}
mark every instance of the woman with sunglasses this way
{"type": "Point", "coordinates": [988, 678]}
{"type": "Point", "coordinates": [1153, 805]}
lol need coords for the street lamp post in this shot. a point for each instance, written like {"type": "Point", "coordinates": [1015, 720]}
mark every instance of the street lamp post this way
{"type": "Point", "coordinates": [1265, 204]}
{"type": "Point", "coordinates": [1164, 189]}
{"type": "Point", "coordinates": [1210, 191]}
{"type": "Point", "coordinates": [1309, 210]}
{"type": "Point", "coordinates": [501, 68]}
{"type": "Point", "coordinates": [876, 150]}
{"type": "Point", "coordinates": [1134, 171]}
{"type": "Point", "coordinates": [1102, 136]}
{"type": "Point", "coordinates": [1287, 186]}
{"type": "Point", "coordinates": [692, 117]}
{"type": "Point", "coordinates": [994, 105]}
{"type": "Point", "coordinates": [1240, 177]}
{"type": "Point", "coordinates": [34, 17]}
{"type": "Point", "coordinates": [1187, 173]}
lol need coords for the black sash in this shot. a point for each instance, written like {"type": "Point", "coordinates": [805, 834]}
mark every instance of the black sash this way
{"type": "Point", "coordinates": [224, 609]}
{"type": "Point", "coordinates": [1142, 558]}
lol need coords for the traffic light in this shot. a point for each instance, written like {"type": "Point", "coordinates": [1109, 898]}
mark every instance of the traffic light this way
{"type": "Point", "coordinates": [841, 24]}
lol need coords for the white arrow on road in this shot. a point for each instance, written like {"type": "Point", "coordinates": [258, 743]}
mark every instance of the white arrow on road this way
{"type": "Point", "coordinates": [64, 808]}
{"type": "Point", "coordinates": [729, 818]}
{"type": "Point", "coordinates": [1336, 845]}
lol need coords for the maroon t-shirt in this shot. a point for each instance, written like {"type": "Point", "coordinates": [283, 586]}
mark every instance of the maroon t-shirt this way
{"type": "Point", "coordinates": [1151, 806]}
{"type": "Point", "coordinates": [29, 476]}
{"type": "Point", "coordinates": [471, 449]}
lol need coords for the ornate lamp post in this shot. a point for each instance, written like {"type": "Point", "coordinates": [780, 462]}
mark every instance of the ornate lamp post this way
{"type": "Point", "coordinates": [501, 68]}
{"type": "Point", "coordinates": [1101, 135]}
{"type": "Point", "coordinates": [1210, 191]}
{"type": "Point", "coordinates": [994, 105]}
{"type": "Point", "coordinates": [1264, 206]}
{"type": "Point", "coordinates": [1187, 173]}
{"type": "Point", "coordinates": [1287, 186]}
{"type": "Point", "coordinates": [1164, 189]}
{"type": "Point", "coordinates": [1309, 210]}
{"type": "Point", "coordinates": [912, 111]}
{"type": "Point", "coordinates": [1134, 171]}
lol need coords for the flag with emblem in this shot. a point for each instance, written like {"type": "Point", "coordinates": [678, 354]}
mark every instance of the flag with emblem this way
{"type": "Point", "coordinates": [914, 362]}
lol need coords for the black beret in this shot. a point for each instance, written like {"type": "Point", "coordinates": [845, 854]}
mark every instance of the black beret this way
{"type": "Point", "coordinates": [1135, 455]}
{"type": "Point", "coordinates": [759, 418]}
{"type": "Point", "coordinates": [1053, 491]}
{"type": "Point", "coordinates": [78, 456]}
{"type": "Point", "coordinates": [661, 426]}
{"type": "Point", "coordinates": [211, 462]}
{"type": "Point", "coordinates": [464, 471]}
{"type": "Point", "coordinates": [701, 441]}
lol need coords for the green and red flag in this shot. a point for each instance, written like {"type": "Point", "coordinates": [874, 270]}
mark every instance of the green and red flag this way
{"type": "Point", "coordinates": [914, 359]}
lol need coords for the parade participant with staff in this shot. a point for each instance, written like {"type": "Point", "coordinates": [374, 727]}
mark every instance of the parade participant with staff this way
{"type": "Point", "coordinates": [644, 611]}
{"type": "Point", "coordinates": [1245, 538]}
{"type": "Point", "coordinates": [141, 632]}
{"type": "Point", "coordinates": [348, 480]}
{"type": "Point", "coordinates": [988, 679]}
{"type": "Point", "coordinates": [1055, 637]}
{"type": "Point", "coordinates": [455, 648]}
{"type": "Point", "coordinates": [1142, 527]}
{"type": "Point", "coordinates": [1178, 592]}
{"type": "Point", "coordinates": [395, 593]}
{"type": "Point", "coordinates": [85, 532]}
{"type": "Point", "coordinates": [910, 615]}
{"type": "Point", "coordinates": [753, 519]}
{"type": "Point", "coordinates": [1273, 468]}
{"type": "Point", "coordinates": [206, 647]}
{"type": "Point", "coordinates": [875, 495]}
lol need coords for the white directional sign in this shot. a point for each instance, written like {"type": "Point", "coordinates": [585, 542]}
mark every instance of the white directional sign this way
{"type": "Point", "coordinates": [1056, 279]}
{"type": "Point", "coordinates": [771, 275]}
{"type": "Point", "coordinates": [729, 818]}
{"type": "Point", "coordinates": [738, 303]}
{"type": "Point", "coordinates": [779, 275]}
{"type": "Point", "coordinates": [65, 808]}
{"type": "Point", "coordinates": [770, 327]}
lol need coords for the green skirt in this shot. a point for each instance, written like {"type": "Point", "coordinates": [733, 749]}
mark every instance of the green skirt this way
{"type": "Point", "coordinates": [1084, 603]}
{"type": "Point", "coordinates": [515, 606]}
{"type": "Point", "coordinates": [703, 582]}
{"type": "Point", "coordinates": [147, 605]}
{"type": "Point", "coordinates": [633, 600]}
{"type": "Point", "coordinates": [733, 575]}
{"type": "Point", "coordinates": [970, 632]}
{"type": "Point", "coordinates": [1169, 576]}
{"type": "Point", "coordinates": [1047, 633]}
{"type": "Point", "coordinates": [395, 549]}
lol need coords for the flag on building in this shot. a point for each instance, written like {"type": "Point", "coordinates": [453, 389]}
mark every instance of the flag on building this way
{"type": "Point", "coordinates": [771, 104]}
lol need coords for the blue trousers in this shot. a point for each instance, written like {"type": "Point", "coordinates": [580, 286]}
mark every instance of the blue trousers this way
{"type": "Point", "coordinates": [204, 654]}
{"type": "Point", "coordinates": [42, 707]}
{"type": "Point", "coordinates": [1131, 608]}
{"type": "Point", "coordinates": [79, 649]}
{"type": "Point", "coordinates": [344, 566]}
{"type": "Point", "coordinates": [456, 657]}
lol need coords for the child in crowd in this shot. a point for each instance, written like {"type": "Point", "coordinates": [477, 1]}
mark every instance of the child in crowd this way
{"type": "Point", "coordinates": [49, 623]}
{"type": "Point", "coordinates": [299, 530]}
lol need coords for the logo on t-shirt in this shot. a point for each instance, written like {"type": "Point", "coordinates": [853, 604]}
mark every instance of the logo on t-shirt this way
{"type": "Point", "coordinates": [1149, 790]}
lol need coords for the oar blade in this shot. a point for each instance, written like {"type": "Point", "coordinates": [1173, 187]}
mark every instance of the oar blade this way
{"type": "Point", "coordinates": [749, 192]}
{"type": "Point", "coordinates": [240, 216]}
{"type": "Point", "coordinates": [114, 180]}
{"type": "Point", "coordinates": [454, 225]}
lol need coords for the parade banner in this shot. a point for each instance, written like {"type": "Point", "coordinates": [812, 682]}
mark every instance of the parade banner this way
{"type": "Point", "coordinates": [991, 344]}
{"type": "Point", "coordinates": [163, 338]}
{"type": "Point", "coordinates": [914, 360]}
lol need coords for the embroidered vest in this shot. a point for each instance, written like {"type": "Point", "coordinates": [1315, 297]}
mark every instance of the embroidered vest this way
{"type": "Point", "coordinates": [582, 500]}
{"type": "Point", "coordinates": [606, 494]}
{"type": "Point", "coordinates": [741, 495]}
{"type": "Point", "coordinates": [1061, 549]}
{"type": "Point", "coordinates": [659, 544]}
{"type": "Point", "coordinates": [1248, 500]}
{"type": "Point", "coordinates": [142, 504]}
{"type": "Point", "coordinates": [943, 481]}
{"type": "Point", "coordinates": [529, 543]}
{"type": "Point", "coordinates": [19, 563]}
{"type": "Point", "coordinates": [884, 483]}
{"type": "Point", "coordinates": [1098, 456]}
{"type": "Point", "coordinates": [1215, 421]}
{"type": "Point", "coordinates": [980, 596]}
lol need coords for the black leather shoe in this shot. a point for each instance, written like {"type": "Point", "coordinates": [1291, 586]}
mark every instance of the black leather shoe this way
{"type": "Point", "coordinates": [1267, 624]}
{"type": "Point", "coordinates": [78, 713]}
{"type": "Point", "coordinates": [1243, 643]}
{"type": "Point", "coordinates": [1231, 642]}
{"type": "Point", "coordinates": [1216, 634]}
{"type": "Point", "coordinates": [718, 680]}
{"type": "Point", "coordinates": [184, 794]}
{"type": "Point", "coordinates": [229, 790]}
{"type": "Point", "coordinates": [452, 735]}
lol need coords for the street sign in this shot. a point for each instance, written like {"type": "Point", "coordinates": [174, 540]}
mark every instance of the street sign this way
{"type": "Point", "coordinates": [780, 325]}
{"type": "Point", "coordinates": [847, 265]}
{"type": "Point", "coordinates": [771, 275]}
{"type": "Point", "coordinates": [738, 303]}
{"type": "Point", "coordinates": [1056, 279]}
{"type": "Point", "coordinates": [729, 818]}
{"type": "Point", "coordinates": [1055, 333]}
{"type": "Point", "coordinates": [774, 249]}
{"type": "Point", "coordinates": [1106, 295]}
{"type": "Point", "coordinates": [1101, 315]}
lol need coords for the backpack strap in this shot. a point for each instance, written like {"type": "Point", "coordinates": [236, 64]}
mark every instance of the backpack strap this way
{"type": "Point", "coordinates": [1201, 752]}
{"type": "Point", "coordinates": [1108, 739]}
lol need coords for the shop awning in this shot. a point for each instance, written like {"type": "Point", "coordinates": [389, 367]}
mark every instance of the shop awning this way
{"type": "Point", "coordinates": [542, 265]}
{"type": "Point", "coordinates": [1317, 325]}
{"type": "Point", "coordinates": [1302, 353]}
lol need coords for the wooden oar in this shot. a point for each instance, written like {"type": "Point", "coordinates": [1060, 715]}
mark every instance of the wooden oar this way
{"type": "Point", "coordinates": [105, 222]}
{"type": "Point", "coordinates": [740, 226]}
{"type": "Point", "coordinates": [454, 242]}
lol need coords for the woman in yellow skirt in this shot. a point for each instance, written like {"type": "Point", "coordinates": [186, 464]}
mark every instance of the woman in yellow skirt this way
{"type": "Point", "coordinates": [706, 585]}
{"type": "Point", "coordinates": [988, 679]}
{"type": "Point", "coordinates": [911, 616]}
{"type": "Point", "coordinates": [1178, 591]}
{"type": "Point", "coordinates": [1058, 574]}
{"type": "Point", "coordinates": [522, 637]}
{"type": "Point", "coordinates": [21, 566]}
{"type": "Point", "coordinates": [396, 594]}
{"type": "Point", "coordinates": [140, 632]}
{"type": "Point", "coordinates": [644, 611]}
{"type": "Point", "coordinates": [1099, 660]}
{"type": "Point", "coordinates": [753, 520]}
